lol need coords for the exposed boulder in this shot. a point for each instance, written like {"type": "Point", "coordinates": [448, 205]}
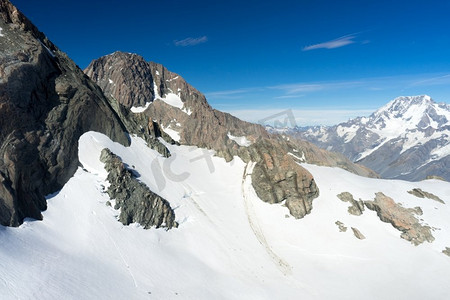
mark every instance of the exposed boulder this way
{"type": "Point", "coordinates": [446, 251]}
{"type": "Point", "coordinates": [401, 218]}
{"type": "Point", "coordinates": [356, 208]}
{"type": "Point", "coordinates": [422, 194]}
{"type": "Point", "coordinates": [341, 226]}
{"type": "Point", "coordinates": [46, 104]}
{"type": "Point", "coordinates": [137, 203]}
{"type": "Point", "coordinates": [358, 234]}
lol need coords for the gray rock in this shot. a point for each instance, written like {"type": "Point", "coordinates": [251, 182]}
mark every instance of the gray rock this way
{"type": "Point", "coordinates": [358, 234]}
{"type": "Point", "coordinates": [341, 226]}
{"type": "Point", "coordinates": [356, 208]}
{"type": "Point", "coordinates": [446, 251]}
{"type": "Point", "coordinates": [137, 202]}
{"type": "Point", "coordinates": [46, 104]}
{"type": "Point", "coordinates": [422, 194]}
{"type": "Point", "coordinates": [401, 218]}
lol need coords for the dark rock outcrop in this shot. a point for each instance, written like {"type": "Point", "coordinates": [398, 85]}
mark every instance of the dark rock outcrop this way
{"type": "Point", "coordinates": [356, 208]}
{"type": "Point", "coordinates": [358, 234]}
{"type": "Point", "coordinates": [136, 201]}
{"type": "Point", "coordinates": [401, 218]}
{"type": "Point", "coordinates": [422, 194]}
{"type": "Point", "coordinates": [46, 104]}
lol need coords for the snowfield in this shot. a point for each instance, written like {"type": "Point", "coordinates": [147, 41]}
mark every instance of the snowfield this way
{"type": "Point", "coordinates": [229, 244]}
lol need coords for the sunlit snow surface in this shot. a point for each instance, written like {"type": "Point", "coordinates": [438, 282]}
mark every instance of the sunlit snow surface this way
{"type": "Point", "coordinates": [240, 140]}
{"type": "Point", "coordinates": [229, 245]}
{"type": "Point", "coordinates": [170, 99]}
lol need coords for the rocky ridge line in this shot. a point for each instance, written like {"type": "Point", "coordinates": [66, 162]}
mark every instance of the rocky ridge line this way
{"type": "Point", "coordinates": [46, 104]}
{"type": "Point", "coordinates": [137, 203]}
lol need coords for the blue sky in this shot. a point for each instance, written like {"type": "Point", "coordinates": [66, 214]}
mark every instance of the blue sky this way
{"type": "Point", "coordinates": [326, 60]}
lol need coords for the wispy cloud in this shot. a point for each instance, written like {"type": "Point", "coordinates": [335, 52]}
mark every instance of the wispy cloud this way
{"type": "Point", "coordinates": [296, 88]}
{"type": "Point", "coordinates": [227, 94]}
{"type": "Point", "coordinates": [191, 41]}
{"type": "Point", "coordinates": [436, 80]}
{"type": "Point", "coordinates": [336, 43]}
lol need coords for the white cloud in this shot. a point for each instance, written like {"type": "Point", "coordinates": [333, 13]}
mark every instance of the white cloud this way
{"type": "Point", "coordinates": [191, 41]}
{"type": "Point", "coordinates": [227, 94]}
{"type": "Point", "coordinates": [296, 88]}
{"type": "Point", "coordinates": [337, 43]}
{"type": "Point", "coordinates": [438, 80]}
{"type": "Point", "coordinates": [303, 117]}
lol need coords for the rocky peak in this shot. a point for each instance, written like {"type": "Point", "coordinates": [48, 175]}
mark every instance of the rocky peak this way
{"type": "Point", "coordinates": [135, 82]}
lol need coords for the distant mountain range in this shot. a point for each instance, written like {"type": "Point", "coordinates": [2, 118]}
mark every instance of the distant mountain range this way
{"type": "Point", "coordinates": [408, 138]}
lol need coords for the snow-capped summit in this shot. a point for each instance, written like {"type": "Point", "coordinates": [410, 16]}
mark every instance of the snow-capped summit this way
{"type": "Point", "coordinates": [407, 138]}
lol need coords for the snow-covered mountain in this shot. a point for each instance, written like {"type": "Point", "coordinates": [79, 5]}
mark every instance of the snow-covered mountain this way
{"type": "Point", "coordinates": [151, 193]}
{"type": "Point", "coordinates": [408, 138]}
{"type": "Point", "coordinates": [229, 244]}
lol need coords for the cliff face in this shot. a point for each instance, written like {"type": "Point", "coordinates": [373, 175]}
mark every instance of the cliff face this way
{"type": "Point", "coordinates": [150, 94]}
{"type": "Point", "coordinates": [46, 103]}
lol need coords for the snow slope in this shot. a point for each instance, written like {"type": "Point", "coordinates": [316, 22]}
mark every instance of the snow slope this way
{"type": "Point", "coordinates": [229, 245]}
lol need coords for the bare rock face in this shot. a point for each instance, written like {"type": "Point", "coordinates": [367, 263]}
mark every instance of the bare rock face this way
{"type": "Point", "coordinates": [401, 218]}
{"type": "Point", "coordinates": [356, 208]}
{"type": "Point", "coordinates": [135, 200]}
{"type": "Point", "coordinates": [46, 104]}
{"type": "Point", "coordinates": [422, 194]}
{"type": "Point", "coordinates": [304, 151]}
{"type": "Point", "coordinates": [341, 226]}
{"type": "Point", "coordinates": [358, 234]}
{"type": "Point", "coordinates": [276, 176]}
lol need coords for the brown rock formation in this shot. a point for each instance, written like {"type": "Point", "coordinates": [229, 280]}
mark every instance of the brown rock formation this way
{"type": "Point", "coordinates": [401, 218]}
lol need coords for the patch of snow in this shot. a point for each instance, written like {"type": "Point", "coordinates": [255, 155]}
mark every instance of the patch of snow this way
{"type": "Point", "coordinates": [157, 73]}
{"type": "Point", "coordinates": [301, 159]}
{"type": "Point", "coordinates": [110, 81]}
{"type": "Point", "coordinates": [1, 32]}
{"type": "Point", "coordinates": [175, 135]}
{"type": "Point", "coordinates": [140, 109]}
{"type": "Point", "coordinates": [172, 99]}
{"type": "Point", "coordinates": [347, 132]}
{"type": "Point", "coordinates": [441, 152]}
{"type": "Point", "coordinates": [169, 80]}
{"type": "Point", "coordinates": [240, 140]}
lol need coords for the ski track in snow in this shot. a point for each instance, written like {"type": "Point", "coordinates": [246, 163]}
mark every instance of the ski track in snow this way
{"type": "Point", "coordinates": [281, 264]}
